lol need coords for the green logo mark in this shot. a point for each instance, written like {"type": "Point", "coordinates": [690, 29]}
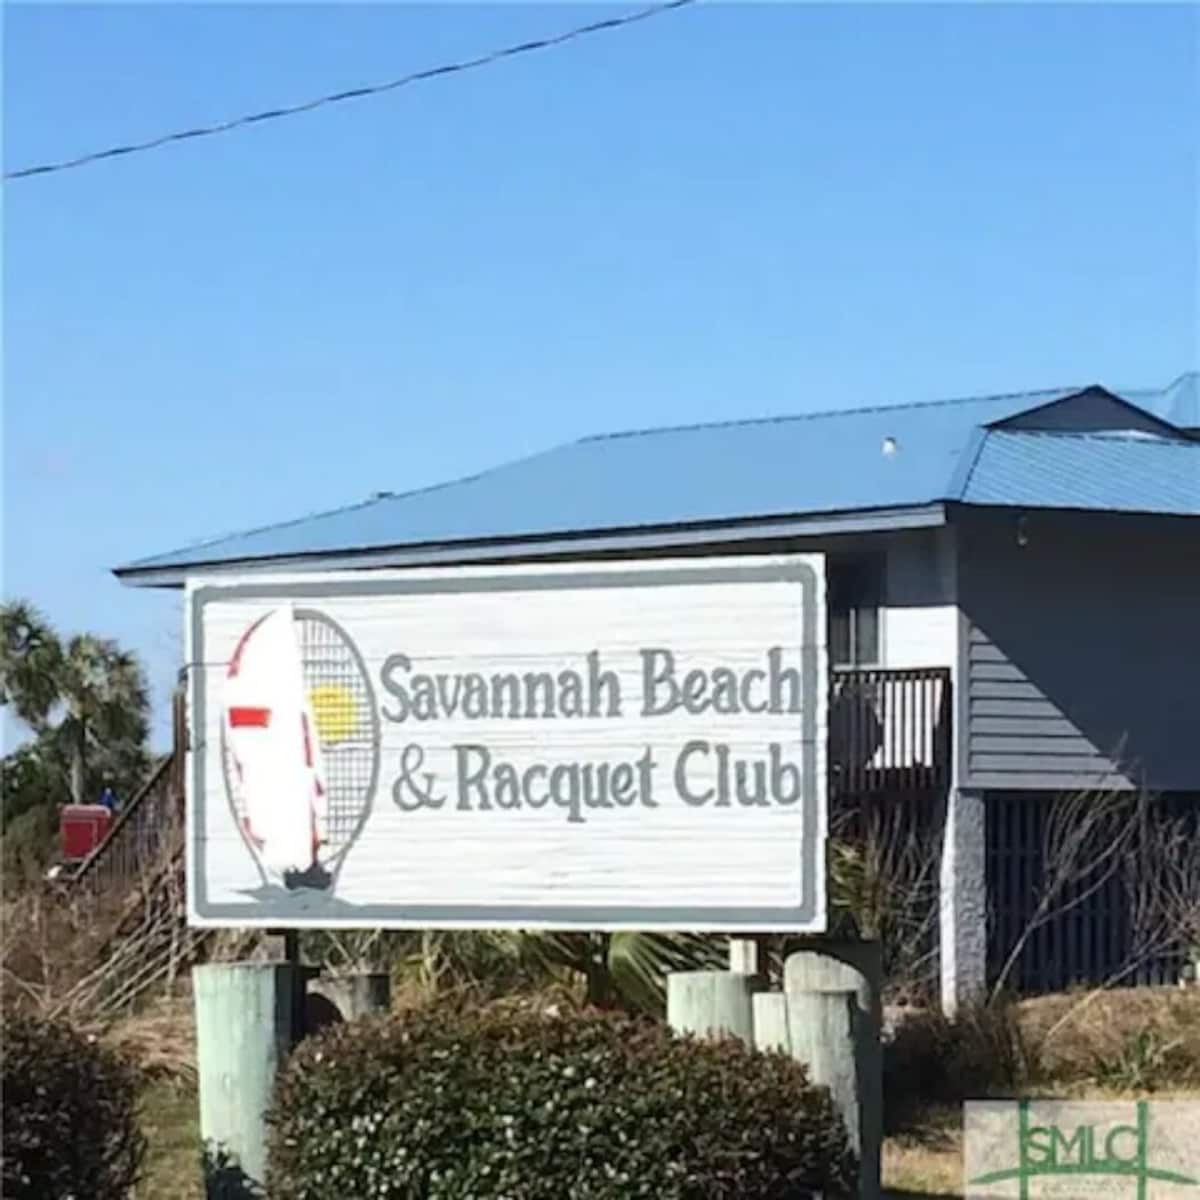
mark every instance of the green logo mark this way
{"type": "Point", "coordinates": [1051, 1150]}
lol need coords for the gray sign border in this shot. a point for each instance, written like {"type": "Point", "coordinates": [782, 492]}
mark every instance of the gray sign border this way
{"type": "Point", "coordinates": [317, 910]}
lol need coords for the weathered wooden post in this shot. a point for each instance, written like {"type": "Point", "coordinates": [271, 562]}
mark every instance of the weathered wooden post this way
{"type": "Point", "coordinates": [750, 955]}
{"type": "Point", "coordinates": [771, 1022]}
{"type": "Point", "coordinates": [822, 1030]}
{"type": "Point", "coordinates": [245, 1027]}
{"type": "Point", "coordinates": [840, 968]}
{"type": "Point", "coordinates": [712, 1003]}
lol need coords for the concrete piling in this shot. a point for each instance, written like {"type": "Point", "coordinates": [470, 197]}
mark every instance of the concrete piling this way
{"type": "Point", "coordinates": [771, 1022]}
{"type": "Point", "coordinates": [821, 1026]}
{"type": "Point", "coordinates": [245, 1027]}
{"type": "Point", "coordinates": [855, 967]}
{"type": "Point", "coordinates": [712, 1003]}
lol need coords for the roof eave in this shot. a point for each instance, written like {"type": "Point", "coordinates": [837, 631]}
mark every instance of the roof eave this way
{"type": "Point", "coordinates": [529, 548]}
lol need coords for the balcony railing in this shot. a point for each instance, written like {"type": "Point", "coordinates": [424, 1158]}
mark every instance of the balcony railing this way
{"type": "Point", "coordinates": [889, 730]}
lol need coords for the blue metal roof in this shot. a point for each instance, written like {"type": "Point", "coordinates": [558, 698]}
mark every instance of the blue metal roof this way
{"type": "Point", "coordinates": [880, 458]}
{"type": "Point", "coordinates": [1118, 472]}
{"type": "Point", "coordinates": [1177, 403]}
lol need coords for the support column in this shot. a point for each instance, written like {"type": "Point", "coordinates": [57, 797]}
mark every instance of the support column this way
{"type": "Point", "coordinates": [750, 955]}
{"type": "Point", "coordinates": [712, 1003]}
{"type": "Point", "coordinates": [814, 979]}
{"type": "Point", "coordinates": [245, 1027]}
{"type": "Point", "coordinates": [743, 956]}
{"type": "Point", "coordinates": [963, 900]}
{"type": "Point", "coordinates": [824, 1034]}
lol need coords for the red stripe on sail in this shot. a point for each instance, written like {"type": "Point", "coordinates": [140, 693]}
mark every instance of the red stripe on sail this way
{"type": "Point", "coordinates": [235, 663]}
{"type": "Point", "coordinates": [249, 718]}
{"type": "Point", "coordinates": [308, 757]}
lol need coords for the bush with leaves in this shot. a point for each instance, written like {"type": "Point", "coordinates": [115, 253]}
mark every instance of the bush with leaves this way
{"type": "Point", "coordinates": [446, 1105]}
{"type": "Point", "coordinates": [69, 1115]}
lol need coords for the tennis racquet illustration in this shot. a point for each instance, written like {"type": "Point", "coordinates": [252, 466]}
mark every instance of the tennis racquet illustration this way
{"type": "Point", "coordinates": [300, 745]}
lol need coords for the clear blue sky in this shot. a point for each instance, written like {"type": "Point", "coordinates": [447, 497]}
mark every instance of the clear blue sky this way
{"type": "Point", "coordinates": [727, 211]}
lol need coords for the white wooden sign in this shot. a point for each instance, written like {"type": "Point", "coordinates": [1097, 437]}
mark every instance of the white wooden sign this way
{"type": "Point", "coordinates": [617, 745]}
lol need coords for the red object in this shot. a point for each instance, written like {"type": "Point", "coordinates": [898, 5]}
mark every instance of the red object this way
{"type": "Point", "coordinates": [83, 827]}
{"type": "Point", "coordinates": [249, 718]}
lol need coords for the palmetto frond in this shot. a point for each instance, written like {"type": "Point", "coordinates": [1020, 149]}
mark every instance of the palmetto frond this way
{"type": "Point", "coordinates": [638, 963]}
{"type": "Point", "coordinates": [86, 700]}
{"type": "Point", "coordinates": [30, 663]}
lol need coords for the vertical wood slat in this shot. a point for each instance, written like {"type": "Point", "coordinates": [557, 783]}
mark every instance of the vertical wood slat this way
{"type": "Point", "coordinates": [926, 758]}
{"type": "Point", "coordinates": [895, 702]}
{"type": "Point", "coordinates": [855, 735]}
{"type": "Point", "coordinates": [895, 729]}
{"type": "Point", "coordinates": [1091, 941]}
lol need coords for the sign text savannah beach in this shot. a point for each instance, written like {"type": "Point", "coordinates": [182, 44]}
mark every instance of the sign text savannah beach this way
{"type": "Point", "coordinates": [483, 778]}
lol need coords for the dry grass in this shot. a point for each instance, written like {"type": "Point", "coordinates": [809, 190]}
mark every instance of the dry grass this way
{"type": "Point", "coordinates": [171, 1123]}
{"type": "Point", "coordinates": [161, 1040]}
{"type": "Point", "coordinates": [926, 1160]}
{"type": "Point", "coordinates": [1140, 1037]}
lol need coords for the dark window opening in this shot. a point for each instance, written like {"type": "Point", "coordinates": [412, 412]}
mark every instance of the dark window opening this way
{"type": "Point", "coordinates": [855, 598]}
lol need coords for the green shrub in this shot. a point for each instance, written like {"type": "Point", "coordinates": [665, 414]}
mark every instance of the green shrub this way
{"type": "Point", "coordinates": [935, 1059]}
{"type": "Point", "coordinates": [69, 1115]}
{"type": "Point", "coordinates": [444, 1105]}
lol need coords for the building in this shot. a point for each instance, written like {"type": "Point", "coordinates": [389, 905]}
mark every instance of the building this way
{"type": "Point", "coordinates": [1013, 589]}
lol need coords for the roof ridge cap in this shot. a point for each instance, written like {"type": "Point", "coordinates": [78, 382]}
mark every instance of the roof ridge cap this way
{"type": "Point", "coordinates": [783, 418]}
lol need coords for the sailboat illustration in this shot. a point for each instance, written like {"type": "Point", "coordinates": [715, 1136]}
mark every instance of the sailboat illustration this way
{"type": "Point", "coordinates": [301, 745]}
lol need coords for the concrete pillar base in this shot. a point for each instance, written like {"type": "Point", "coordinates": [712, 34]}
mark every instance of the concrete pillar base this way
{"type": "Point", "coordinates": [245, 1028]}
{"type": "Point", "coordinates": [963, 901]}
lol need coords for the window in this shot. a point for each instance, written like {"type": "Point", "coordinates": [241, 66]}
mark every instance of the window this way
{"type": "Point", "coordinates": [855, 596]}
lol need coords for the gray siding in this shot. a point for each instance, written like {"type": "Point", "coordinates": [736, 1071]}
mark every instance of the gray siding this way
{"type": "Point", "coordinates": [1079, 652]}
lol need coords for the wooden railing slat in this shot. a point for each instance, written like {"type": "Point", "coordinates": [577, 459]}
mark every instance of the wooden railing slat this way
{"type": "Point", "coordinates": [890, 729]}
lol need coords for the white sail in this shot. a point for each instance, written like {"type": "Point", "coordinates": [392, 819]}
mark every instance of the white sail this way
{"type": "Point", "coordinates": [273, 740]}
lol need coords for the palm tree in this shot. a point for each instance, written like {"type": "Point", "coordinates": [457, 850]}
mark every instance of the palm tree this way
{"type": "Point", "coordinates": [30, 662]}
{"type": "Point", "coordinates": [104, 698]}
{"type": "Point", "coordinates": [86, 700]}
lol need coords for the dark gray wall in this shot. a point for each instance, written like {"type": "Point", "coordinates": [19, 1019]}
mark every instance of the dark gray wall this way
{"type": "Point", "coordinates": [1089, 411]}
{"type": "Point", "coordinates": [1079, 652]}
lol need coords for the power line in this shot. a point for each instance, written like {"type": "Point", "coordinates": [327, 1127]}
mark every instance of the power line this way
{"type": "Point", "coordinates": [275, 114]}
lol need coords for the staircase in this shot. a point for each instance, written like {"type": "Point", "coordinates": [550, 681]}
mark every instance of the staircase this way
{"type": "Point", "coordinates": [130, 890]}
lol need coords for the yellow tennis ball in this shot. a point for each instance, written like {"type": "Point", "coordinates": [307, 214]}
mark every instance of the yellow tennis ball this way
{"type": "Point", "coordinates": [335, 712]}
